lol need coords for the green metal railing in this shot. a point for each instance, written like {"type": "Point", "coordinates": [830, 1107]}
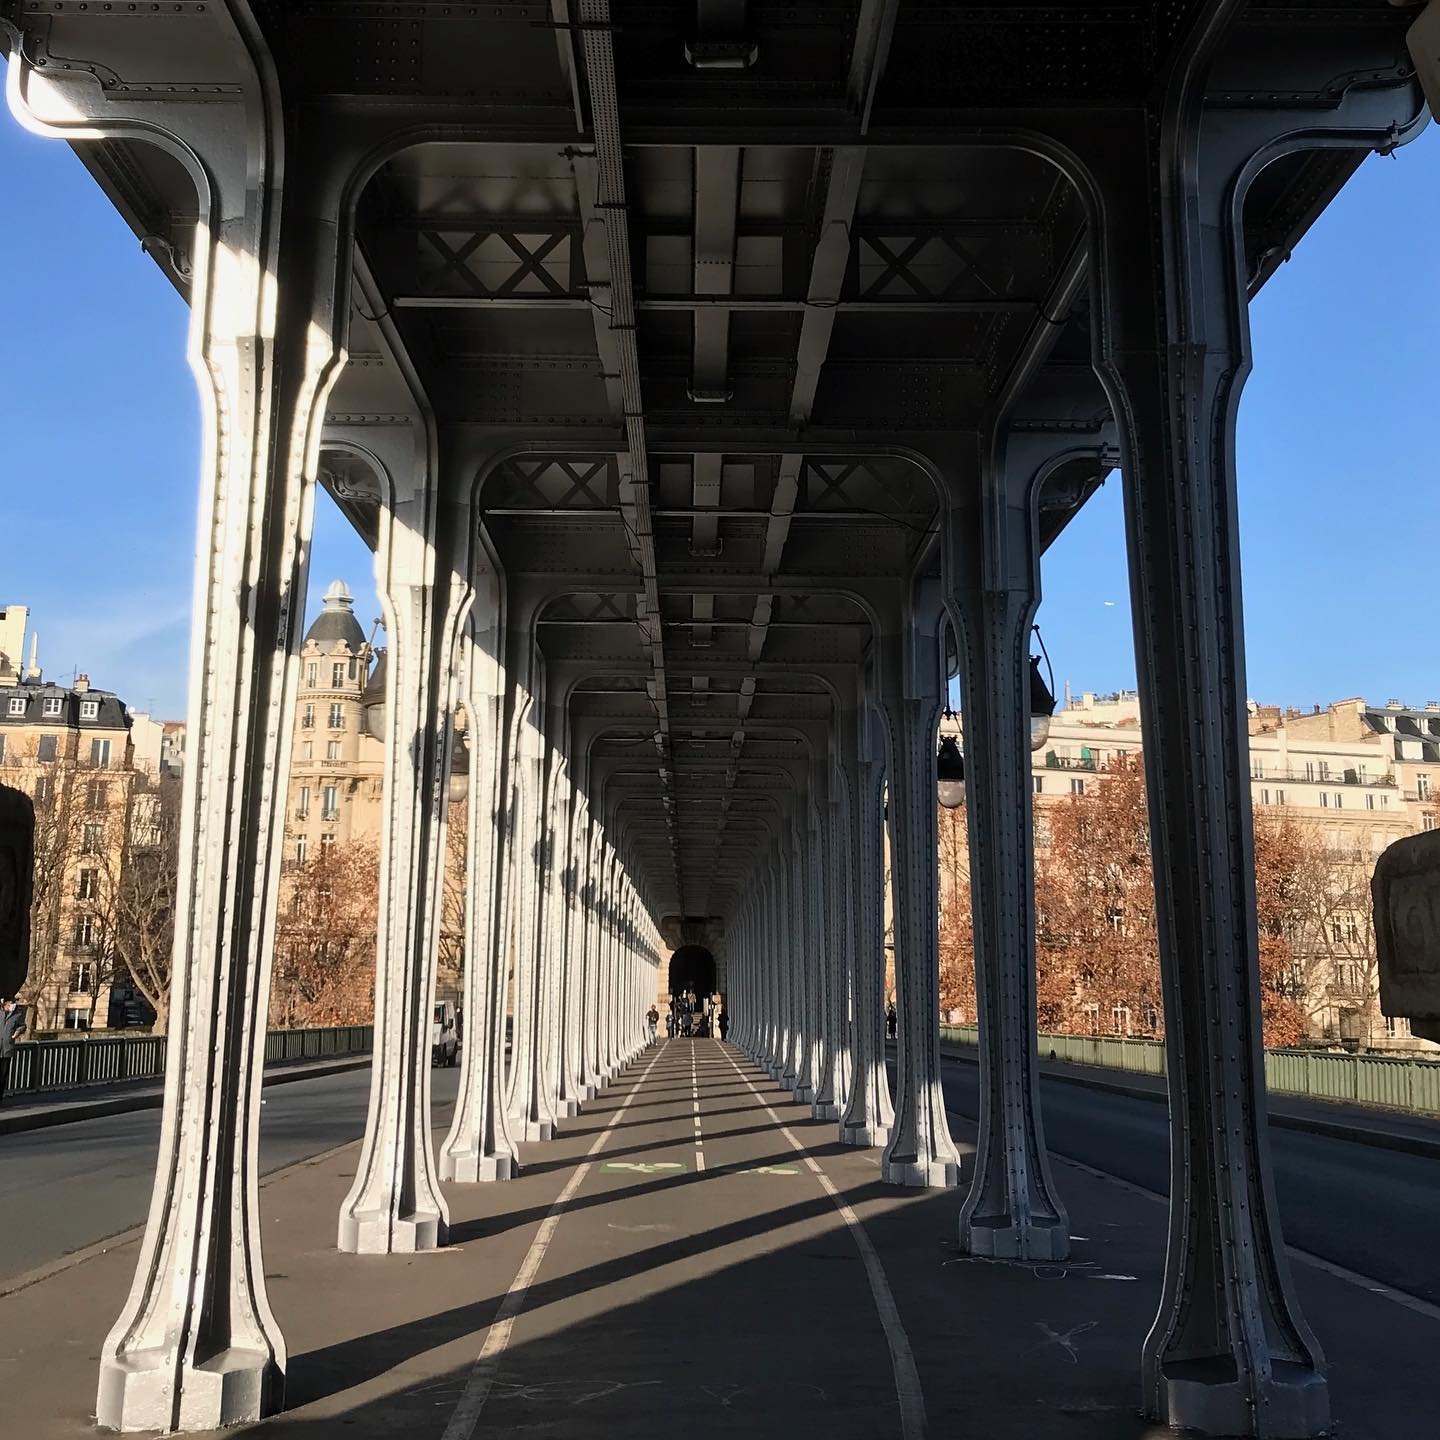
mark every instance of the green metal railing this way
{"type": "Point", "coordinates": [1393, 1082]}
{"type": "Point", "coordinates": [60, 1064]}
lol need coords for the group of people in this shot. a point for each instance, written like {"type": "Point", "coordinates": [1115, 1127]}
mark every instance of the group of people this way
{"type": "Point", "coordinates": [688, 1016]}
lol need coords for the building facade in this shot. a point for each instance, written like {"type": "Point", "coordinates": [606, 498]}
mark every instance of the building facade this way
{"type": "Point", "coordinates": [1357, 777]}
{"type": "Point", "coordinates": [68, 749]}
{"type": "Point", "coordinates": [337, 765]}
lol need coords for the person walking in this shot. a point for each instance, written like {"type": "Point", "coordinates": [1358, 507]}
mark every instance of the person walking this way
{"type": "Point", "coordinates": [12, 1026]}
{"type": "Point", "coordinates": [652, 1022]}
{"type": "Point", "coordinates": [891, 1020]}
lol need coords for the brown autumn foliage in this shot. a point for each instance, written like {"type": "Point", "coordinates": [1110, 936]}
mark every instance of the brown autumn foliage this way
{"type": "Point", "coordinates": [324, 967]}
{"type": "Point", "coordinates": [1096, 942]}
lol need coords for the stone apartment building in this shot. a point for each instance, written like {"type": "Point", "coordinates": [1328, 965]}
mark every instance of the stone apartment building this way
{"type": "Point", "coordinates": [1359, 776]}
{"type": "Point", "coordinates": [337, 765]}
{"type": "Point", "coordinates": [66, 747]}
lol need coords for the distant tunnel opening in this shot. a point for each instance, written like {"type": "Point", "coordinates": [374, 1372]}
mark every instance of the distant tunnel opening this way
{"type": "Point", "coordinates": [692, 967]}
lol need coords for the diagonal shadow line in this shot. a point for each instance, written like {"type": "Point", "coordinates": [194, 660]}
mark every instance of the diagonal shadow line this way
{"type": "Point", "coordinates": [678, 1142]}
{"type": "Point", "coordinates": [316, 1374]}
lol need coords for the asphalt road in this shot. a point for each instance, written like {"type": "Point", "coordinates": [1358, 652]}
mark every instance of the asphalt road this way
{"type": "Point", "coordinates": [1370, 1210]}
{"type": "Point", "coordinates": [64, 1188]}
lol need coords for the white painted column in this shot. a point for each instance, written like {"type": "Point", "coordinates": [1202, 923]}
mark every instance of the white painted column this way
{"type": "Point", "coordinates": [478, 1146]}
{"type": "Point", "coordinates": [395, 1203]}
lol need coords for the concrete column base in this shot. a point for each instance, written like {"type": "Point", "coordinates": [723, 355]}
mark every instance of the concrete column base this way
{"type": "Point", "coordinates": [475, 1169]}
{"type": "Point", "coordinates": [571, 1109]}
{"type": "Point", "coordinates": [235, 1387]}
{"type": "Point", "coordinates": [370, 1233]}
{"type": "Point", "coordinates": [868, 1136]}
{"type": "Point", "coordinates": [531, 1132]}
{"type": "Point", "coordinates": [824, 1110]}
{"type": "Point", "coordinates": [921, 1174]}
{"type": "Point", "coordinates": [802, 1094]}
{"type": "Point", "coordinates": [1203, 1397]}
{"type": "Point", "coordinates": [1001, 1239]}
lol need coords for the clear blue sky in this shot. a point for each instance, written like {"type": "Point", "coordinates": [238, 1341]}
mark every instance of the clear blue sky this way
{"type": "Point", "coordinates": [1339, 505]}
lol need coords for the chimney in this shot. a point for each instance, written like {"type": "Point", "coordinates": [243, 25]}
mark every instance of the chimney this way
{"type": "Point", "coordinates": [1393, 704]}
{"type": "Point", "coordinates": [82, 684]}
{"type": "Point", "coordinates": [33, 673]}
{"type": "Point", "coordinates": [1432, 704]}
{"type": "Point", "coordinates": [1315, 710]}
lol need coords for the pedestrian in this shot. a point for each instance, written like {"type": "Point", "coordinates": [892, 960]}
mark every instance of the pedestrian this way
{"type": "Point", "coordinates": [724, 1022]}
{"type": "Point", "coordinates": [670, 1019]}
{"type": "Point", "coordinates": [652, 1021]}
{"type": "Point", "coordinates": [717, 1019]}
{"type": "Point", "coordinates": [891, 1020]}
{"type": "Point", "coordinates": [12, 1026]}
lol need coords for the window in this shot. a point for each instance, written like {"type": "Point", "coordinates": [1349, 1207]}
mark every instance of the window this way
{"type": "Point", "coordinates": [17, 704]}
{"type": "Point", "coordinates": [332, 750]}
{"type": "Point", "coordinates": [44, 790]}
{"type": "Point", "coordinates": [327, 844]}
{"type": "Point", "coordinates": [82, 977]}
{"type": "Point", "coordinates": [97, 794]}
{"type": "Point", "coordinates": [337, 674]}
{"type": "Point", "coordinates": [307, 749]}
{"type": "Point", "coordinates": [1077, 787]}
{"type": "Point", "coordinates": [1324, 770]}
{"type": "Point", "coordinates": [53, 704]}
{"type": "Point", "coordinates": [1092, 1015]}
{"type": "Point", "coordinates": [330, 810]}
{"type": "Point", "coordinates": [1115, 918]}
{"type": "Point", "coordinates": [307, 720]}
{"type": "Point", "coordinates": [1352, 930]}
{"type": "Point", "coordinates": [1422, 786]}
{"type": "Point", "coordinates": [99, 752]}
{"type": "Point", "coordinates": [1335, 931]}
{"type": "Point", "coordinates": [352, 669]}
{"type": "Point", "coordinates": [1339, 801]}
{"type": "Point", "coordinates": [1120, 1018]}
{"type": "Point", "coordinates": [1324, 800]}
{"type": "Point", "coordinates": [48, 748]}
{"type": "Point", "coordinates": [89, 884]}
{"type": "Point", "coordinates": [312, 674]}
{"type": "Point", "coordinates": [84, 931]}
{"type": "Point", "coordinates": [89, 709]}
{"type": "Point", "coordinates": [1309, 769]}
{"type": "Point", "coordinates": [337, 715]}
{"type": "Point", "coordinates": [302, 808]}
{"type": "Point", "coordinates": [1038, 781]}
{"type": "Point", "coordinates": [1264, 797]}
{"type": "Point", "coordinates": [77, 1017]}
{"type": "Point", "coordinates": [300, 848]}
{"type": "Point", "coordinates": [90, 838]}
{"type": "Point", "coordinates": [1427, 822]}
{"type": "Point", "coordinates": [1369, 802]}
{"type": "Point", "coordinates": [1257, 769]}
{"type": "Point", "coordinates": [1279, 797]}
{"type": "Point", "coordinates": [1152, 1018]}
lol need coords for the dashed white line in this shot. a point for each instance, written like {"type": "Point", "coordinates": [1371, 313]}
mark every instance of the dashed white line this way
{"type": "Point", "coordinates": [902, 1359]}
{"type": "Point", "coordinates": [497, 1338]}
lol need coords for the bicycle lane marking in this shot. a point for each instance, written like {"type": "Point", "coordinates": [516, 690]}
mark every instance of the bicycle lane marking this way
{"type": "Point", "coordinates": [466, 1415]}
{"type": "Point", "coordinates": [910, 1397]}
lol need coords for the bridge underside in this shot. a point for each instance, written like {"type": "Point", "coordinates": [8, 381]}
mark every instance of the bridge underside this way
{"type": "Point", "coordinates": [709, 381]}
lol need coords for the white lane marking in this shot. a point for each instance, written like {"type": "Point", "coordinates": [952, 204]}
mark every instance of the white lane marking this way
{"type": "Point", "coordinates": [902, 1359]}
{"type": "Point", "coordinates": [497, 1337]}
{"type": "Point", "coordinates": [1305, 1257]}
{"type": "Point", "coordinates": [695, 1105]}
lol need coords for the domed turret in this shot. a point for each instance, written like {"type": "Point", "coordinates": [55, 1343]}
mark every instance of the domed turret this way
{"type": "Point", "coordinates": [337, 620]}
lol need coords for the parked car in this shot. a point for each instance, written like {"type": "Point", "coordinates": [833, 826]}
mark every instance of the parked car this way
{"type": "Point", "coordinates": [445, 1034]}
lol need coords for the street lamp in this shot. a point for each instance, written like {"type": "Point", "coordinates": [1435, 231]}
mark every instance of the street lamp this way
{"type": "Point", "coordinates": [950, 774]}
{"type": "Point", "coordinates": [950, 763]}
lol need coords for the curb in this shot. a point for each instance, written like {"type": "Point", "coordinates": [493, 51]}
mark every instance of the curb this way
{"type": "Point", "coordinates": [21, 1121]}
{"type": "Point", "coordinates": [1331, 1129]}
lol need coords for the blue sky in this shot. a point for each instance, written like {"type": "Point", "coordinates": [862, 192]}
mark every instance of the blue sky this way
{"type": "Point", "coordinates": [1340, 513]}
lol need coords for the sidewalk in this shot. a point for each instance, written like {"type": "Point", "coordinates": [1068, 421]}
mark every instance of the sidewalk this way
{"type": "Point", "coordinates": [1364, 1125]}
{"type": "Point", "coordinates": [694, 1274]}
{"type": "Point", "coordinates": [40, 1109]}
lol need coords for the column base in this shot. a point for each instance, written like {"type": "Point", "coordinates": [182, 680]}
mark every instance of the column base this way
{"type": "Point", "coordinates": [570, 1109]}
{"type": "Point", "coordinates": [369, 1233]}
{"type": "Point", "coordinates": [824, 1110]}
{"type": "Point", "coordinates": [802, 1094]}
{"type": "Point", "coordinates": [921, 1174]}
{"type": "Point", "coordinates": [999, 1238]}
{"type": "Point", "coordinates": [1205, 1397]}
{"type": "Point", "coordinates": [869, 1136]}
{"type": "Point", "coordinates": [472, 1169]}
{"type": "Point", "coordinates": [235, 1387]}
{"type": "Point", "coordinates": [531, 1132]}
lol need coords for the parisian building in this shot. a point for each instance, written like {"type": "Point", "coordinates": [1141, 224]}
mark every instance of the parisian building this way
{"type": "Point", "coordinates": [68, 748]}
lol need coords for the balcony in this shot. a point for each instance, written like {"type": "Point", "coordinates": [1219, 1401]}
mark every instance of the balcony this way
{"type": "Point", "coordinates": [1343, 777]}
